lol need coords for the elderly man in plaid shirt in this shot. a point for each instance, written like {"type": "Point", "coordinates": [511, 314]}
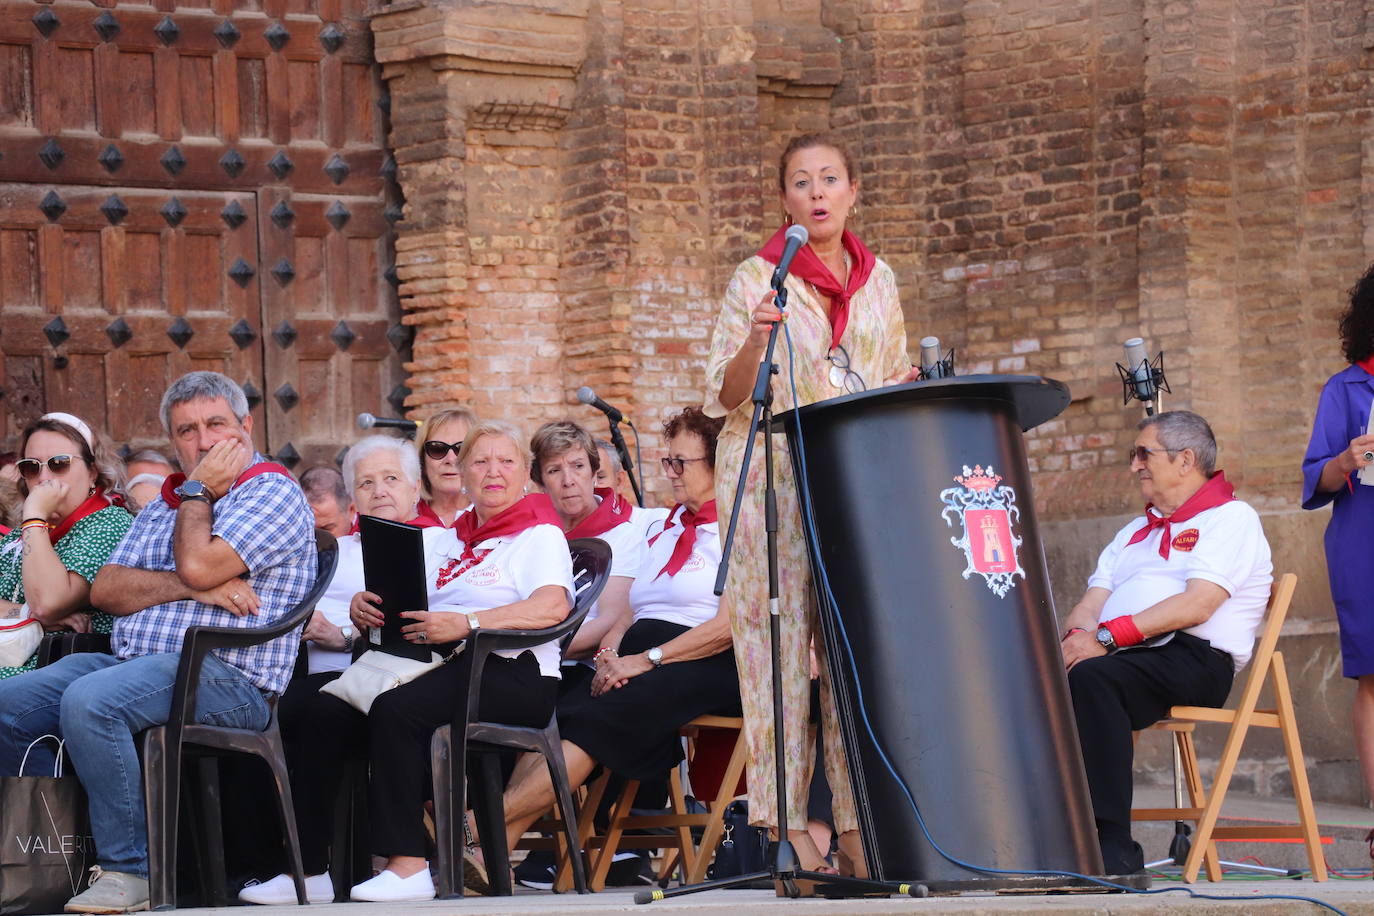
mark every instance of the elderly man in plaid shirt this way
{"type": "Point", "coordinates": [230, 545]}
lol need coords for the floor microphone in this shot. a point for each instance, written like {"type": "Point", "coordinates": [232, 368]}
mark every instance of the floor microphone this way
{"type": "Point", "coordinates": [1141, 378]}
{"type": "Point", "coordinates": [587, 396]}
{"type": "Point", "coordinates": [368, 421]}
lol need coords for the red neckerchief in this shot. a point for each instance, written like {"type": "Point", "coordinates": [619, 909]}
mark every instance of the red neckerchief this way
{"type": "Point", "coordinates": [93, 504]}
{"type": "Point", "coordinates": [528, 511]}
{"type": "Point", "coordinates": [1367, 365]}
{"type": "Point", "coordinates": [683, 548]}
{"type": "Point", "coordinates": [432, 519]}
{"type": "Point", "coordinates": [419, 521]}
{"type": "Point", "coordinates": [808, 266]}
{"type": "Point", "coordinates": [170, 485]}
{"type": "Point", "coordinates": [612, 511]}
{"type": "Point", "coordinates": [1216, 491]}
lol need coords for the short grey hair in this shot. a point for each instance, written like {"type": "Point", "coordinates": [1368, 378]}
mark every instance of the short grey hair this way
{"type": "Point", "coordinates": [406, 455]}
{"type": "Point", "coordinates": [324, 481]}
{"type": "Point", "coordinates": [203, 386]}
{"type": "Point", "coordinates": [148, 456]}
{"type": "Point", "coordinates": [609, 451]}
{"type": "Point", "coordinates": [1183, 429]}
{"type": "Point", "coordinates": [494, 428]}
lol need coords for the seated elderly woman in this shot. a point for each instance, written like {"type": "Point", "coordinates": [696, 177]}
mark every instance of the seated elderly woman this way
{"type": "Point", "coordinates": [72, 518]}
{"type": "Point", "coordinates": [672, 664]}
{"type": "Point", "coordinates": [503, 565]}
{"type": "Point", "coordinates": [566, 465]}
{"type": "Point", "coordinates": [383, 476]}
{"type": "Point", "coordinates": [438, 442]}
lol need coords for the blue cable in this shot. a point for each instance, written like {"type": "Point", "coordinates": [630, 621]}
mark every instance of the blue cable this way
{"type": "Point", "coordinates": [809, 522]}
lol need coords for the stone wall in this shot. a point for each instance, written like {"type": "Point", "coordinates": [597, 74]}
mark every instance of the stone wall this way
{"type": "Point", "coordinates": [1046, 177]}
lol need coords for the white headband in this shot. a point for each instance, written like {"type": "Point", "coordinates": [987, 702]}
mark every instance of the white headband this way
{"type": "Point", "coordinates": [76, 424]}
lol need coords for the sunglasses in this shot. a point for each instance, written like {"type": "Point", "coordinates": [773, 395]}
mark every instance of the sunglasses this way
{"type": "Point", "coordinates": [1142, 454]}
{"type": "Point", "coordinates": [30, 468]}
{"type": "Point", "coordinates": [841, 376]}
{"type": "Point", "coordinates": [437, 450]}
{"type": "Point", "coordinates": [675, 465]}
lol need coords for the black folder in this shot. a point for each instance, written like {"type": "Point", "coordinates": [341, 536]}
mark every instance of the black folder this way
{"type": "Point", "coordinates": [394, 567]}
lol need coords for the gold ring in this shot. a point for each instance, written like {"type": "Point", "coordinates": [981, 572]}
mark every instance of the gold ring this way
{"type": "Point", "coordinates": [235, 596]}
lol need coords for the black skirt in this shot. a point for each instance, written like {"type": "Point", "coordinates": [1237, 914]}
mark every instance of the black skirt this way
{"type": "Point", "coordinates": [634, 730]}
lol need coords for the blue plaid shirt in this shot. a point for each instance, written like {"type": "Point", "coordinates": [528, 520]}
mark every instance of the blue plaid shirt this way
{"type": "Point", "coordinates": [270, 526]}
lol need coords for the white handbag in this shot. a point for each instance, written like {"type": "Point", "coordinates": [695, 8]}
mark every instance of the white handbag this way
{"type": "Point", "coordinates": [18, 641]}
{"type": "Point", "coordinates": [374, 673]}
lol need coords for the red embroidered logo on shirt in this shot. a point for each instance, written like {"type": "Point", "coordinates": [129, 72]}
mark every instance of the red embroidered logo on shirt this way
{"type": "Point", "coordinates": [1185, 540]}
{"type": "Point", "coordinates": [456, 567]}
{"type": "Point", "coordinates": [485, 577]}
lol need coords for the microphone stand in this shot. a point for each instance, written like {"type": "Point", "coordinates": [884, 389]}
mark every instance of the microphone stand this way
{"type": "Point", "coordinates": [623, 451]}
{"type": "Point", "coordinates": [784, 869]}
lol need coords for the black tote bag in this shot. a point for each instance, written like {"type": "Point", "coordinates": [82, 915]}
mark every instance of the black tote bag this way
{"type": "Point", "coordinates": [46, 848]}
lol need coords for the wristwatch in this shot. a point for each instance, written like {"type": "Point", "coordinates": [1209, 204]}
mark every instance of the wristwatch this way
{"type": "Point", "coordinates": [193, 489]}
{"type": "Point", "coordinates": [655, 656]}
{"type": "Point", "coordinates": [347, 631]}
{"type": "Point", "coordinates": [1106, 640]}
{"type": "Point", "coordinates": [473, 623]}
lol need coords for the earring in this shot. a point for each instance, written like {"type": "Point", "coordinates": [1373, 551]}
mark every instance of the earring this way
{"type": "Point", "coordinates": [854, 211]}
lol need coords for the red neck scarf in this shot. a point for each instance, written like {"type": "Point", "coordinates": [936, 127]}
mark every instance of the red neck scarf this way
{"type": "Point", "coordinates": [430, 517]}
{"type": "Point", "coordinates": [527, 512]}
{"type": "Point", "coordinates": [1216, 491]}
{"type": "Point", "coordinates": [690, 521]}
{"type": "Point", "coordinates": [93, 503]}
{"type": "Point", "coordinates": [170, 485]}
{"type": "Point", "coordinates": [612, 511]}
{"type": "Point", "coordinates": [809, 267]}
{"type": "Point", "coordinates": [419, 521]}
{"type": "Point", "coordinates": [1367, 365]}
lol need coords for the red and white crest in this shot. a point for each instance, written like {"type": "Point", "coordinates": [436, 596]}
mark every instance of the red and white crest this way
{"type": "Point", "coordinates": [989, 514]}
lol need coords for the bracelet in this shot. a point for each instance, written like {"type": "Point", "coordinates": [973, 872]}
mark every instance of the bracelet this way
{"type": "Point", "coordinates": [1072, 630]}
{"type": "Point", "coordinates": [38, 523]}
{"type": "Point", "coordinates": [602, 651]}
{"type": "Point", "coordinates": [34, 518]}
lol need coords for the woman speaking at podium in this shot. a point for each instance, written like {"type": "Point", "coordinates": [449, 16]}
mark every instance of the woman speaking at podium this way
{"type": "Point", "coordinates": [848, 334]}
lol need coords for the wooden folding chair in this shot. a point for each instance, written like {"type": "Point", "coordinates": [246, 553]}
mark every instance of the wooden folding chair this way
{"type": "Point", "coordinates": [674, 827]}
{"type": "Point", "coordinates": [1265, 665]}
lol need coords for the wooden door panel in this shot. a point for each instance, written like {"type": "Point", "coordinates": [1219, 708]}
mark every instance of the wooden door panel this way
{"type": "Point", "coordinates": [95, 335]}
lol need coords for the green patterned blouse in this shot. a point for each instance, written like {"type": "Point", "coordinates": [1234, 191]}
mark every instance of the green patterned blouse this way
{"type": "Point", "coordinates": [83, 550]}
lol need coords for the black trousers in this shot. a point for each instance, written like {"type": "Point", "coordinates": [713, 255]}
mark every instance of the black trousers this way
{"type": "Point", "coordinates": [1115, 695]}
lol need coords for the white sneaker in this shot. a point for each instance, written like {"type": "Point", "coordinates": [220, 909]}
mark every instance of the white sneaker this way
{"type": "Point", "coordinates": [281, 890]}
{"type": "Point", "coordinates": [389, 886]}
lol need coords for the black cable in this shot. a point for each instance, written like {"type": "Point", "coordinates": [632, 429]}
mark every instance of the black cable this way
{"type": "Point", "coordinates": [809, 522]}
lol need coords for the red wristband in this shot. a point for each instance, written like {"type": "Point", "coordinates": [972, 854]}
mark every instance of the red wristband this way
{"type": "Point", "coordinates": [1070, 631]}
{"type": "Point", "coordinates": [1124, 631]}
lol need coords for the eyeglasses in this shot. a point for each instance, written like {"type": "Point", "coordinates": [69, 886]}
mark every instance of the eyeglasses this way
{"type": "Point", "coordinates": [30, 468]}
{"type": "Point", "coordinates": [841, 376]}
{"type": "Point", "coordinates": [1142, 454]}
{"type": "Point", "coordinates": [675, 465]}
{"type": "Point", "coordinates": [437, 450]}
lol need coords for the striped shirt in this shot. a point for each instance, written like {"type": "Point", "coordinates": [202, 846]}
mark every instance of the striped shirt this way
{"type": "Point", "coordinates": [268, 523]}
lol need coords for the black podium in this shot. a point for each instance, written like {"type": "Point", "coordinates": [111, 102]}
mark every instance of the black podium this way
{"type": "Point", "coordinates": [926, 524]}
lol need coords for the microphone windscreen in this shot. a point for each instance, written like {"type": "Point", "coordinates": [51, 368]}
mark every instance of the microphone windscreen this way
{"type": "Point", "coordinates": [586, 395]}
{"type": "Point", "coordinates": [1135, 352]}
{"type": "Point", "coordinates": [366, 421]}
{"type": "Point", "coordinates": [797, 232]}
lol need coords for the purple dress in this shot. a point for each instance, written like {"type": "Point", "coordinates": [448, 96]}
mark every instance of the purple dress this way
{"type": "Point", "coordinates": [1342, 415]}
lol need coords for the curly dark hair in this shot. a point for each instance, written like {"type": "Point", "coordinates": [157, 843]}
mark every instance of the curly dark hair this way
{"type": "Point", "coordinates": [693, 420]}
{"type": "Point", "coordinates": [1357, 323]}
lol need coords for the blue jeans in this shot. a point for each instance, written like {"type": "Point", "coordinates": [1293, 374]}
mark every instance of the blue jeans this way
{"type": "Point", "coordinates": [98, 704]}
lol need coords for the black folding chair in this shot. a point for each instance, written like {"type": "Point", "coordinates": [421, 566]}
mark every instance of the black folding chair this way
{"type": "Point", "coordinates": [591, 568]}
{"type": "Point", "coordinates": [165, 746]}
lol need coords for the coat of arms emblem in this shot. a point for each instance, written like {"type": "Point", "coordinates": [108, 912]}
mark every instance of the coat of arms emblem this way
{"type": "Point", "coordinates": [988, 513]}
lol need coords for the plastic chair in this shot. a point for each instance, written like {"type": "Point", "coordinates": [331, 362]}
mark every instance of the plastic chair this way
{"type": "Point", "coordinates": [57, 645]}
{"type": "Point", "coordinates": [165, 746]}
{"type": "Point", "coordinates": [1265, 665]}
{"type": "Point", "coordinates": [591, 568]}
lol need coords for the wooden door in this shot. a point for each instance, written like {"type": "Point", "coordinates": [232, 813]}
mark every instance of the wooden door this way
{"type": "Point", "coordinates": [196, 184]}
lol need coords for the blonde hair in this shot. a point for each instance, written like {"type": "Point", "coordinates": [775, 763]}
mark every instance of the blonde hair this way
{"type": "Point", "coordinates": [494, 428]}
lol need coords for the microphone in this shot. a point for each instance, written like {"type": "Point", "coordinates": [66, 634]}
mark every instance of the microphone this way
{"type": "Point", "coordinates": [587, 396]}
{"type": "Point", "coordinates": [933, 365]}
{"type": "Point", "coordinates": [796, 236]}
{"type": "Point", "coordinates": [1140, 378]}
{"type": "Point", "coordinates": [368, 421]}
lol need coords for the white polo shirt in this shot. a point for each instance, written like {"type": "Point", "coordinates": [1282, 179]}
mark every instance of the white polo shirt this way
{"type": "Point", "coordinates": [510, 569]}
{"type": "Point", "coordinates": [347, 582]}
{"type": "Point", "coordinates": [1224, 545]}
{"type": "Point", "coordinates": [687, 598]}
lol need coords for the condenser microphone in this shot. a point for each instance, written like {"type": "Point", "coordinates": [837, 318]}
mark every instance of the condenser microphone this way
{"type": "Point", "coordinates": [1141, 378]}
{"type": "Point", "coordinates": [796, 237]}
{"type": "Point", "coordinates": [587, 396]}
{"type": "Point", "coordinates": [933, 363]}
{"type": "Point", "coordinates": [368, 421]}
